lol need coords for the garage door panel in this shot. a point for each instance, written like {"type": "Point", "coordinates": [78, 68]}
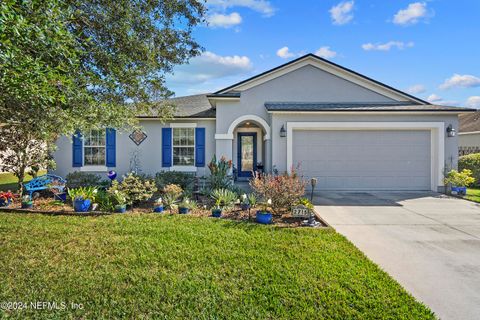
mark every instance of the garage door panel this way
{"type": "Point", "coordinates": [364, 160]}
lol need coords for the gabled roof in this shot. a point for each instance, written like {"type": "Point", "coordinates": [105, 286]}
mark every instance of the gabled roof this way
{"type": "Point", "coordinates": [469, 122]}
{"type": "Point", "coordinates": [194, 106]}
{"type": "Point", "coordinates": [372, 107]}
{"type": "Point", "coordinates": [325, 65]}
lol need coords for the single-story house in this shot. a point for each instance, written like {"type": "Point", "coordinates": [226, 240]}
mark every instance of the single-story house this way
{"type": "Point", "coordinates": [469, 133]}
{"type": "Point", "coordinates": [343, 128]}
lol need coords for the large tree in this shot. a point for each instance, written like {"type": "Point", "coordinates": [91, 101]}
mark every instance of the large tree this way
{"type": "Point", "coordinates": [84, 63]}
{"type": "Point", "coordinates": [80, 64]}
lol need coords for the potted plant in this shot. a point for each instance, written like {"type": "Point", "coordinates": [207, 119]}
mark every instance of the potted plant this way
{"type": "Point", "coordinates": [6, 198]}
{"type": "Point", "coordinates": [158, 206]}
{"type": "Point", "coordinates": [27, 202]}
{"type": "Point", "coordinates": [264, 216]}
{"type": "Point", "coordinates": [82, 198]}
{"type": "Point", "coordinates": [459, 181]}
{"type": "Point", "coordinates": [219, 198]}
{"type": "Point", "coordinates": [120, 201]}
{"type": "Point", "coordinates": [185, 206]}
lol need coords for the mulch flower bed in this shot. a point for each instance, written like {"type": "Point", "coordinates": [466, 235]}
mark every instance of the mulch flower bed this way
{"type": "Point", "coordinates": [50, 206]}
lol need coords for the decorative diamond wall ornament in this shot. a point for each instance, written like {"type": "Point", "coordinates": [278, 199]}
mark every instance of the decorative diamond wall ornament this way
{"type": "Point", "coordinates": [138, 136]}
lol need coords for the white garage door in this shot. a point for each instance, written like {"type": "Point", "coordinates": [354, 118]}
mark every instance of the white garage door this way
{"type": "Point", "coordinates": [364, 160]}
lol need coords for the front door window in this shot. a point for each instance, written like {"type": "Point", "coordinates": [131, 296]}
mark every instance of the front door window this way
{"type": "Point", "coordinates": [247, 153]}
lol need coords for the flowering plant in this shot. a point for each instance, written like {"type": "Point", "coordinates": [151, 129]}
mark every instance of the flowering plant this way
{"type": "Point", "coordinates": [219, 173]}
{"type": "Point", "coordinates": [159, 202]}
{"type": "Point", "coordinates": [6, 196]}
{"type": "Point", "coordinates": [283, 190]}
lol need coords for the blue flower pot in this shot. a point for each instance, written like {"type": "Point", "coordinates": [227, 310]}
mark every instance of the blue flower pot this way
{"type": "Point", "coordinates": [27, 205]}
{"type": "Point", "coordinates": [183, 210]}
{"type": "Point", "coordinates": [158, 209]}
{"type": "Point", "coordinates": [5, 203]}
{"type": "Point", "coordinates": [217, 213]}
{"type": "Point", "coordinates": [61, 196]}
{"type": "Point", "coordinates": [121, 208]}
{"type": "Point", "coordinates": [263, 217]}
{"type": "Point", "coordinates": [459, 190]}
{"type": "Point", "coordinates": [81, 205]}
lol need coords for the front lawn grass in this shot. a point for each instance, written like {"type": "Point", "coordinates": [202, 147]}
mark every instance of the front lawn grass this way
{"type": "Point", "coordinates": [473, 194]}
{"type": "Point", "coordinates": [182, 267]}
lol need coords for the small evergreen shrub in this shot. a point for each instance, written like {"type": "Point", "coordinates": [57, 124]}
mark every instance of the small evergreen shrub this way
{"type": "Point", "coordinates": [135, 188]}
{"type": "Point", "coordinates": [78, 179]}
{"type": "Point", "coordinates": [183, 179]}
{"type": "Point", "coordinates": [471, 162]}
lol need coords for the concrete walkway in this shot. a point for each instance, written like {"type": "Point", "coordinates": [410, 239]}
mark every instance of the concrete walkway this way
{"type": "Point", "coordinates": [429, 243]}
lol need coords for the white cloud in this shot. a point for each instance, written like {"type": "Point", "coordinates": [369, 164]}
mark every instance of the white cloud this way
{"type": "Point", "coordinates": [326, 53]}
{"type": "Point", "coordinates": [416, 89]}
{"type": "Point", "coordinates": [457, 80]}
{"type": "Point", "coordinates": [473, 102]}
{"type": "Point", "coordinates": [436, 99]}
{"type": "Point", "coordinates": [342, 12]}
{"type": "Point", "coordinates": [285, 53]}
{"type": "Point", "coordinates": [387, 46]}
{"type": "Point", "coordinates": [262, 6]}
{"type": "Point", "coordinates": [412, 14]}
{"type": "Point", "coordinates": [224, 20]}
{"type": "Point", "coordinates": [210, 66]}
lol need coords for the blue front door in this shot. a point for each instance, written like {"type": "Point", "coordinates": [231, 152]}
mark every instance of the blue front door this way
{"type": "Point", "coordinates": [247, 153]}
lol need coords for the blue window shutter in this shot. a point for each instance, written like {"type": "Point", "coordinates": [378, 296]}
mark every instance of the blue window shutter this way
{"type": "Point", "coordinates": [200, 147]}
{"type": "Point", "coordinates": [77, 150]}
{"type": "Point", "coordinates": [111, 147]}
{"type": "Point", "coordinates": [166, 147]}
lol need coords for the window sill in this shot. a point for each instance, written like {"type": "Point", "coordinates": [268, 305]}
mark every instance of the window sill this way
{"type": "Point", "coordinates": [94, 168]}
{"type": "Point", "coordinates": [184, 168]}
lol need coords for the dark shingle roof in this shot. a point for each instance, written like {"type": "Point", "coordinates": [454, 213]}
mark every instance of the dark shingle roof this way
{"type": "Point", "coordinates": [469, 122]}
{"type": "Point", "coordinates": [195, 106]}
{"type": "Point", "coordinates": [394, 106]}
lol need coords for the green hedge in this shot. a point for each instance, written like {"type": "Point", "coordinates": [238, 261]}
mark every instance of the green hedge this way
{"type": "Point", "coordinates": [471, 162]}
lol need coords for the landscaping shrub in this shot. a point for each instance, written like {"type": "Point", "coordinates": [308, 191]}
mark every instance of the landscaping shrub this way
{"type": "Point", "coordinates": [224, 198]}
{"type": "Point", "coordinates": [183, 179]}
{"type": "Point", "coordinates": [284, 190]}
{"type": "Point", "coordinates": [219, 178]}
{"type": "Point", "coordinates": [471, 162]}
{"type": "Point", "coordinates": [171, 193]}
{"type": "Point", "coordinates": [84, 179]}
{"type": "Point", "coordinates": [459, 179]}
{"type": "Point", "coordinates": [134, 187]}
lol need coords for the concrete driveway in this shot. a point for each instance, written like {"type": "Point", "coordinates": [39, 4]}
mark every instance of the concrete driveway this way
{"type": "Point", "coordinates": [428, 242]}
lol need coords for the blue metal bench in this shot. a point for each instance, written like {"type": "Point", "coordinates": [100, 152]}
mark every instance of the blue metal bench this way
{"type": "Point", "coordinates": [45, 182]}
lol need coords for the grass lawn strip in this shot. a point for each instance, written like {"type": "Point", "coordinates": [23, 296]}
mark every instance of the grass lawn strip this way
{"type": "Point", "coordinates": [150, 266]}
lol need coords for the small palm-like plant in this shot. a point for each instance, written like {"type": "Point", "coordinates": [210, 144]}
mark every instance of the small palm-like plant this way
{"type": "Point", "coordinates": [224, 198]}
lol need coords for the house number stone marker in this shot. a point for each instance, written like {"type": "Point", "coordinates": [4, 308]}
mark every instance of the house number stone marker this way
{"type": "Point", "coordinates": [301, 211]}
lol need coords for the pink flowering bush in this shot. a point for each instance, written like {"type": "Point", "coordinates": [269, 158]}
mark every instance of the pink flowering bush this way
{"type": "Point", "coordinates": [284, 190]}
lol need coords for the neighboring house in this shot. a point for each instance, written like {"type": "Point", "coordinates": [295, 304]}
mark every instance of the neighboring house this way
{"type": "Point", "coordinates": [469, 134]}
{"type": "Point", "coordinates": [348, 131]}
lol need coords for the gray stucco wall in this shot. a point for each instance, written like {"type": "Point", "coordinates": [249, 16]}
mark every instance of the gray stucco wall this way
{"type": "Point", "coordinates": [469, 140]}
{"type": "Point", "coordinates": [150, 150]}
{"type": "Point", "coordinates": [306, 84]}
{"type": "Point", "coordinates": [279, 149]}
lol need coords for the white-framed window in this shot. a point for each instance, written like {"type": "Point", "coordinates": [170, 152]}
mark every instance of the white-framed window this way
{"type": "Point", "coordinates": [183, 146]}
{"type": "Point", "coordinates": [94, 148]}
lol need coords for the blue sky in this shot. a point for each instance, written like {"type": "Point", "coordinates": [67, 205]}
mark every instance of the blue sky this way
{"type": "Point", "coordinates": [430, 49]}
